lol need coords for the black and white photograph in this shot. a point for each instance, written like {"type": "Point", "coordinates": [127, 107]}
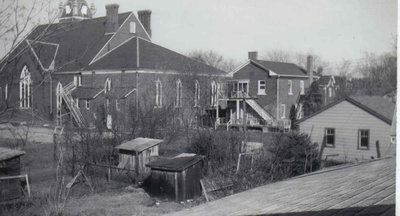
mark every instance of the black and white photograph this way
{"type": "Point", "coordinates": [211, 107]}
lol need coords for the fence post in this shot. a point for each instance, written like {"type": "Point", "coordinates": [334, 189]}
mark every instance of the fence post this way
{"type": "Point", "coordinates": [378, 151]}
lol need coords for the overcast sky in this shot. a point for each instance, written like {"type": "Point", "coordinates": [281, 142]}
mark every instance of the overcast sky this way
{"type": "Point", "coordinates": [332, 29]}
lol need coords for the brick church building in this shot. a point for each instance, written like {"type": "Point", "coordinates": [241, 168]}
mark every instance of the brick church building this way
{"type": "Point", "coordinates": [82, 70]}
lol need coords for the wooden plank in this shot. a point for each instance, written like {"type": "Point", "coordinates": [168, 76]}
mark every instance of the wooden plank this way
{"type": "Point", "coordinates": [204, 189]}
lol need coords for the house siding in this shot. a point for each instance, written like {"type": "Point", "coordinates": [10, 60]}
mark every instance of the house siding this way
{"type": "Point", "coordinates": [253, 74]}
{"type": "Point", "coordinates": [285, 97]}
{"type": "Point", "coordinates": [347, 119]}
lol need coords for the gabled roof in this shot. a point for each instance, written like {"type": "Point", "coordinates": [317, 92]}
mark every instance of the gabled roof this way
{"type": "Point", "coordinates": [326, 79]}
{"type": "Point", "coordinates": [139, 144]}
{"type": "Point", "coordinates": [373, 110]}
{"type": "Point", "coordinates": [151, 56]}
{"type": "Point", "coordinates": [282, 68]}
{"type": "Point", "coordinates": [276, 68]}
{"type": "Point", "coordinates": [78, 42]}
{"type": "Point", "coordinates": [6, 153]}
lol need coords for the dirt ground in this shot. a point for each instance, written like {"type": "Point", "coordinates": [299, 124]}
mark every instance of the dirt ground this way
{"type": "Point", "coordinates": [115, 198]}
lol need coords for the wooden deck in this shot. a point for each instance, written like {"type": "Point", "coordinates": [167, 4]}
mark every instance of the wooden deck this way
{"type": "Point", "coordinates": [364, 189]}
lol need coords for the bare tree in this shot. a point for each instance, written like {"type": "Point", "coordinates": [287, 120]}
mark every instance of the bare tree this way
{"type": "Point", "coordinates": [213, 59]}
{"type": "Point", "coordinates": [17, 19]}
{"type": "Point", "coordinates": [279, 55]}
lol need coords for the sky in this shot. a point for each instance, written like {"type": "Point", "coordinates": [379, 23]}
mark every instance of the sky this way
{"type": "Point", "coordinates": [333, 29]}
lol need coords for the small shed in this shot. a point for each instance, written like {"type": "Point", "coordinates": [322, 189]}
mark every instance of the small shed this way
{"type": "Point", "coordinates": [177, 178]}
{"type": "Point", "coordinates": [134, 154]}
{"type": "Point", "coordinates": [10, 170]}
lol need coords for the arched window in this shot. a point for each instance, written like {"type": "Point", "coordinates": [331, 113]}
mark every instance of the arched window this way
{"type": "Point", "coordinates": [196, 93]}
{"type": "Point", "coordinates": [25, 90]}
{"type": "Point", "coordinates": [158, 94]}
{"type": "Point", "coordinates": [59, 103]}
{"type": "Point", "coordinates": [107, 85]}
{"type": "Point", "coordinates": [213, 93]}
{"type": "Point", "coordinates": [178, 93]}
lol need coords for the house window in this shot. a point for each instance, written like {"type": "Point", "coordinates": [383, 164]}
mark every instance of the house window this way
{"type": "Point", "coordinates": [68, 9]}
{"type": "Point", "coordinates": [290, 87]}
{"type": "Point", "coordinates": [302, 87]}
{"type": "Point", "coordinates": [283, 111]}
{"type": "Point", "coordinates": [158, 94]}
{"type": "Point", "coordinates": [78, 80]}
{"type": "Point", "coordinates": [87, 104]}
{"type": "Point", "coordinates": [330, 137]}
{"type": "Point", "coordinates": [77, 102]}
{"type": "Point", "coordinates": [196, 94]}
{"type": "Point", "coordinates": [363, 139]}
{"type": "Point", "coordinates": [261, 87]}
{"type": "Point", "coordinates": [178, 94]}
{"type": "Point", "coordinates": [330, 91]}
{"type": "Point", "coordinates": [117, 104]}
{"type": "Point", "coordinates": [6, 92]}
{"type": "Point", "coordinates": [213, 93]}
{"type": "Point", "coordinates": [84, 10]}
{"type": "Point", "coordinates": [107, 85]}
{"type": "Point", "coordinates": [25, 88]}
{"type": "Point", "coordinates": [107, 105]}
{"type": "Point", "coordinates": [132, 27]}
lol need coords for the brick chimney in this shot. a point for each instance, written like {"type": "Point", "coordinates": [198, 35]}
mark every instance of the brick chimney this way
{"type": "Point", "coordinates": [112, 18]}
{"type": "Point", "coordinates": [310, 67]}
{"type": "Point", "coordinates": [145, 18]}
{"type": "Point", "coordinates": [253, 55]}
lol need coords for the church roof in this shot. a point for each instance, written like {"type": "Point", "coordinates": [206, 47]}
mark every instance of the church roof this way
{"type": "Point", "coordinates": [151, 56]}
{"type": "Point", "coordinates": [74, 46]}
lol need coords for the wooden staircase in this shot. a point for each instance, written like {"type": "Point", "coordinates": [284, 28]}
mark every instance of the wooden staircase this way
{"type": "Point", "coordinates": [75, 111]}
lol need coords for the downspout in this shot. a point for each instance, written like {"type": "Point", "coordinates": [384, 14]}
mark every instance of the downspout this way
{"type": "Point", "coordinates": [277, 98]}
{"type": "Point", "coordinates": [51, 94]}
{"type": "Point", "coordinates": [137, 78]}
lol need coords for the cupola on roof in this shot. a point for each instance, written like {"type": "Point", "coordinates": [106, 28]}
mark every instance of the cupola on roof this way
{"type": "Point", "coordinates": [75, 10]}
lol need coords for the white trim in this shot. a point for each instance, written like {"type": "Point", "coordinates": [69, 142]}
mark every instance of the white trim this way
{"type": "Point", "coordinates": [158, 94]}
{"type": "Point", "coordinates": [95, 96]}
{"type": "Point", "coordinates": [34, 54]}
{"type": "Point", "coordinates": [178, 102]}
{"type": "Point", "coordinates": [119, 28]}
{"type": "Point", "coordinates": [137, 17]}
{"type": "Point", "coordinates": [259, 90]}
{"type": "Point", "coordinates": [302, 87]}
{"type": "Point", "coordinates": [37, 57]}
{"type": "Point", "coordinates": [290, 87]}
{"type": "Point", "coordinates": [142, 71]}
{"type": "Point", "coordinates": [87, 104]}
{"type": "Point", "coordinates": [240, 67]}
{"type": "Point", "coordinates": [129, 93]}
{"type": "Point", "coordinates": [109, 51]}
{"type": "Point", "coordinates": [283, 111]}
{"type": "Point", "coordinates": [73, 17]}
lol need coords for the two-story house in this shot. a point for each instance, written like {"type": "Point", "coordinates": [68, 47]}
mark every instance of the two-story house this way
{"type": "Point", "coordinates": [268, 88]}
{"type": "Point", "coordinates": [89, 69]}
{"type": "Point", "coordinates": [331, 86]}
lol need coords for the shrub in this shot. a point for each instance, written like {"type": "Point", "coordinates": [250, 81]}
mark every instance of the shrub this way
{"type": "Point", "coordinates": [292, 154]}
{"type": "Point", "coordinates": [221, 148]}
